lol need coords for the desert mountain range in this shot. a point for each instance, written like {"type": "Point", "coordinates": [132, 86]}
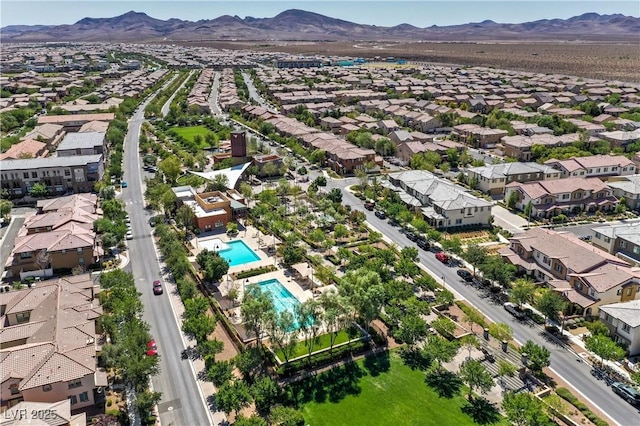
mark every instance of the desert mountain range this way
{"type": "Point", "coordinates": [302, 25]}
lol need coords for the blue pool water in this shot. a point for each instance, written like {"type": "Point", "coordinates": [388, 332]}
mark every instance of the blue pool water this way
{"type": "Point", "coordinates": [238, 253]}
{"type": "Point", "coordinates": [282, 299]}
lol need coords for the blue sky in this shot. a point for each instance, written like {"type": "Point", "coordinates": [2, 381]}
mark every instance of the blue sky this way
{"type": "Point", "coordinates": [384, 13]}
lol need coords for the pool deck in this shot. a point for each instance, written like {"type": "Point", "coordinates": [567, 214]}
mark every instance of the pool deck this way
{"type": "Point", "coordinates": [263, 246]}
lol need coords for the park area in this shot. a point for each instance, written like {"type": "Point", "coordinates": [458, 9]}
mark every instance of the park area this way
{"type": "Point", "coordinates": [195, 134]}
{"type": "Point", "coordinates": [378, 390]}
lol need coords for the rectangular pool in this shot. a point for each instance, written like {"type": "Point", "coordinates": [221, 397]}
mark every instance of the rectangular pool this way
{"type": "Point", "coordinates": [234, 252]}
{"type": "Point", "coordinates": [282, 299]}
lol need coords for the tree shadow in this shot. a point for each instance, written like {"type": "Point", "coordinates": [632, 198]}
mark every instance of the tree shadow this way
{"type": "Point", "coordinates": [444, 382]}
{"type": "Point", "coordinates": [482, 411]}
{"type": "Point", "coordinates": [376, 364]}
{"type": "Point", "coordinates": [415, 359]}
{"type": "Point", "coordinates": [333, 385]}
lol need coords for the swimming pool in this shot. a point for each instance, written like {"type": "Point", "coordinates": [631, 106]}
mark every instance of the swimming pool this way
{"type": "Point", "coordinates": [282, 299]}
{"type": "Point", "coordinates": [234, 252]}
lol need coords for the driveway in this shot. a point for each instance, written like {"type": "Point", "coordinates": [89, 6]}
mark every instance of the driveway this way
{"type": "Point", "coordinates": [507, 220]}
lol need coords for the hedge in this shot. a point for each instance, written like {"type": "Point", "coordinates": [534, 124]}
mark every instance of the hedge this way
{"type": "Point", "coordinates": [571, 399]}
{"type": "Point", "coordinates": [255, 271]}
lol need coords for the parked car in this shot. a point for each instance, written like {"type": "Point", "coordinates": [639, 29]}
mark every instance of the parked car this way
{"type": "Point", "coordinates": [442, 257]}
{"type": "Point", "coordinates": [152, 349]}
{"type": "Point", "coordinates": [129, 235]}
{"type": "Point", "coordinates": [157, 288]}
{"type": "Point", "coordinates": [411, 236]}
{"type": "Point", "coordinates": [381, 215]}
{"type": "Point", "coordinates": [123, 184]}
{"type": "Point", "coordinates": [466, 275]}
{"type": "Point", "coordinates": [629, 394]}
{"type": "Point", "coordinates": [514, 310]}
{"type": "Point", "coordinates": [423, 244]}
{"type": "Point", "coordinates": [369, 205]}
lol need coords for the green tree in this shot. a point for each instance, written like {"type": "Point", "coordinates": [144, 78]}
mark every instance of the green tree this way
{"type": "Point", "coordinates": [199, 327]}
{"type": "Point", "coordinates": [365, 292]}
{"type": "Point", "coordinates": [145, 401]}
{"type": "Point", "coordinates": [522, 291]}
{"type": "Point", "coordinates": [604, 347]}
{"type": "Point", "coordinates": [412, 329]}
{"type": "Point", "coordinates": [597, 327]}
{"type": "Point", "coordinates": [476, 376]}
{"type": "Point", "coordinates": [473, 316]}
{"type": "Point", "coordinates": [254, 420]}
{"type": "Point", "coordinates": [185, 217]}
{"type": "Point", "coordinates": [220, 372]}
{"type": "Point", "coordinates": [501, 331]}
{"type": "Point", "coordinates": [550, 304]}
{"type": "Point", "coordinates": [469, 342]}
{"type": "Point", "coordinates": [512, 200]}
{"type": "Point", "coordinates": [444, 326]}
{"type": "Point", "coordinates": [286, 416]}
{"type": "Point", "coordinates": [524, 409]}
{"type": "Point", "coordinates": [282, 333]}
{"type": "Point", "coordinates": [495, 269]}
{"type": "Point", "coordinates": [256, 310]}
{"type": "Point", "coordinates": [233, 397]}
{"type": "Point", "coordinates": [538, 356]}
{"type": "Point", "coordinates": [266, 393]}
{"type": "Point", "coordinates": [212, 265]}
{"type": "Point", "coordinates": [171, 168]}
{"type": "Point", "coordinates": [440, 350]}
{"type": "Point", "coordinates": [454, 245]}
{"type": "Point", "coordinates": [475, 255]}
{"type": "Point", "coordinates": [5, 208]}
{"type": "Point", "coordinates": [38, 190]}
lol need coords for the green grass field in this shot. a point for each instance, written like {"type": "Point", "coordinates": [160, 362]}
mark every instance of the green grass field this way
{"type": "Point", "coordinates": [190, 132]}
{"type": "Point", "coordinates": [378, 391]}
{"type": "Point", "coordinates": [321, 342]}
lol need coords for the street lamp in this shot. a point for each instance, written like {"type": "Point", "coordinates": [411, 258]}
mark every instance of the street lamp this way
{"type": "Point", "coordinates": [444, 282]}
{"type": "Point", "coordinates": [244, 287]}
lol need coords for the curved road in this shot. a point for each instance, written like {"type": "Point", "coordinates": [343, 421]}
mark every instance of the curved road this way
{"type": "Point", "coordinates": [182, 402]}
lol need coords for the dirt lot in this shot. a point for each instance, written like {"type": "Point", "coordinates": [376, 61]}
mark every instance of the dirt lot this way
{"type": "Point", "coordinates": [613, 60]}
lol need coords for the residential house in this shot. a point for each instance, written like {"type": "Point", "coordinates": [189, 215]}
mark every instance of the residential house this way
{"type": "Point", "coordinates": [519, 146]}
{"type": "Point", "coordinates": [478, 136]}
{"type": "Point", "coordinates": [622, 240]}
{"type": "Point", "coordinates": [85, 143]}
{"type": "Point", "coordinates": [74, 174]}
{"type": "Point", "coordinates": [388, 126]}
{"type": "Point", "coordinates": [585, 275]}
{"type": "Point", "coordinates": [331, 123]}
{"type": "Point", "coordinates": [49, 133]}
{"type": "Point", "coordinates": [627, 187]}
{"type": "Point", "coordinates": [492, 179]}
{"type": "Point", "coordinates": [601, 166]}
{"type": "Point", "coordinates": [73, 122]}
{"type": "Point", "coordinates": [27, 148]}
{"type": "Point", "coordinates": [623, 320]}
{"type": "Point", "coordinates": [442, 203]}
{"type": "Point", "coordinates": [212, 210]}
{"type": "Point", "coordinates": [571, 195]}
{"type": "Point", "coordinates": [621, 138]}
{"type": "Point", "coordinates": [406, 150]}
{"type": "Point", "coordinates": [50, 344]}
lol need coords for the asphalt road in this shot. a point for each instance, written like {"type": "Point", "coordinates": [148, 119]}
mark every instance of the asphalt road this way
{"type": "Point", "coordinates": [167, 105]}
{"type": "Point", "coordinates": [213, 98]}
{"type": "Point", "coordinates": [182, 402]}
{"type": "Point", "coordinates": [563, 361]}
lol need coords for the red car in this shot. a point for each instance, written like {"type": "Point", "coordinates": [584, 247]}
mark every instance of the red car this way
{"type": "Point", "coordinates": [442, 257]}
{"type": "Point", "coordinates": [157, 287]}
{"type": "Point", "coordinates": [152, 349]}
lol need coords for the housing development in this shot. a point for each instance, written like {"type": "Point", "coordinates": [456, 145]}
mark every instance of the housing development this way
{"type": "Point", "coordinates": [195, 235]}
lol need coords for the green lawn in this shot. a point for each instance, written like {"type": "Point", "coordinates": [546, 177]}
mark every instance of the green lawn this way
{"type": "Point", "coordinates": [190, 132]}
{"type": "Point", "coordinates": [378, 391]}
{"type": "Point", "coordinates": [321, 342]}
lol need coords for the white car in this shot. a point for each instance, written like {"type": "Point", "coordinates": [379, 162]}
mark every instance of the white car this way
{"type": "Point", "coordinates": [129, 235]}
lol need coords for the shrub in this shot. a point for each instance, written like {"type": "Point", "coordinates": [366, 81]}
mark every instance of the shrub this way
{"type": "Point", "coordinates": [559, 218]}
{"type": "Point", "coordinates": [255, 271]}
{"type": "Point", "coordinates": [571, 399]}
